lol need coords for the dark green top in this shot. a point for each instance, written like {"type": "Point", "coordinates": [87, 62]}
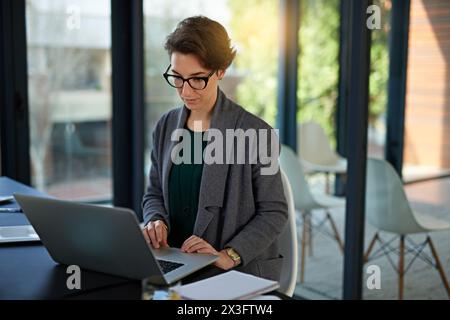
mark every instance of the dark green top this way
{"type": "Point", "coordinates": [184, 190]}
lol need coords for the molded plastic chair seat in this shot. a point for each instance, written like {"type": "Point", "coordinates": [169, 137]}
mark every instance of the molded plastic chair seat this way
{"type": "Point", "coordinates": [287, 242]}
{"type": "Point", "coordinates": [306, 201]}
{"type": "Point", "coordinates": [340, 166]}
{"type": "Point", "coordinates": [388, 209]}
{"type": "Point", "coordinates": [428, 223]}
{"type": "Point", "coordinates": [315, 150]}
{"type": "Point", "coordinates": [387, 206]}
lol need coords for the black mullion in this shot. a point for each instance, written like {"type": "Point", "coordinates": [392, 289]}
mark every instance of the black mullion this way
{"type": "Point", "coordinates": [14, 125]}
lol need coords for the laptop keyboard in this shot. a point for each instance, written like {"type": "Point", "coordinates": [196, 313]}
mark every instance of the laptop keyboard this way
{"type": "Point", "coordinates": [167, 266]}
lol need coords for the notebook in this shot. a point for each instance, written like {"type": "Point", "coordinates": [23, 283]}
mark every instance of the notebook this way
{"type": "Point", "coordinates": [232, 285]}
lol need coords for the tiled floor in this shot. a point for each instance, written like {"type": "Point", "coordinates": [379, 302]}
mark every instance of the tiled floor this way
{"type": "Point", "coordinates": [324, 270]}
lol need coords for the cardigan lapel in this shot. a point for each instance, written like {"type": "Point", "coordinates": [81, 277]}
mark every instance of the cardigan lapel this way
{"type": "Point", "coordinates": [167, 160]}
{"type": "Point", "coordinates": [214, 176]}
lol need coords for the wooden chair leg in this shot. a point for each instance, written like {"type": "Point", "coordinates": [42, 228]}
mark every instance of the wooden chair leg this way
{"type": "Point", "coordinates": [310, 234]}
{"type": "Point", "coordinates": [401, 267]}
{"type": "Point", "coordinates": [303, 248]}
{"type": "Point", "coordinates": [439, 266]}
{"type": "Point", "coordinates": [369, 249]}
{"type": "Point", "coordinates": [335, 231]}
{"type": "Point", "coordinates": [327, 183]}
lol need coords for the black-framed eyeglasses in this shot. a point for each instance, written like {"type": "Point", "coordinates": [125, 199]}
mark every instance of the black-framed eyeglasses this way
{"type": "Point", "coordinates": [196, 83]}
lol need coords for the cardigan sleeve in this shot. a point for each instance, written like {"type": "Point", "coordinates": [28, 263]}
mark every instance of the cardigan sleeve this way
{"type": "Point", "coordinates": [153, 200]}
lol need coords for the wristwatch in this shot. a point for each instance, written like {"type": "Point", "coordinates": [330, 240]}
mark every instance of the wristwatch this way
{"type": "Point", "coordinates": [233, 255]}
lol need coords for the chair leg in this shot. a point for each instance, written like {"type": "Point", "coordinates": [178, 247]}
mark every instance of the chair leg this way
{"type": "Point", "coordinates": [310, 234]}
{"type": "Point", "coordinates": [369, 249]}
{"type": "Point", "coordinates": [303, 245]}
{"type": "Point", "coordinates": [439, 266]}
{"type": "Point", "coordinates": [327, 183]}
{"type": "Point", "coordinates": [401, 267]}
{"type": "Point", "coordinates": [335, 231]}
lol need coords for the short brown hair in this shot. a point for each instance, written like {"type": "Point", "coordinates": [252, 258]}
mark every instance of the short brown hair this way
{"type": "Point", "coordinates": [205, 38]}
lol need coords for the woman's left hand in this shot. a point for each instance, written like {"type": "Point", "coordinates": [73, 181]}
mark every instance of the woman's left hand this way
{"type": "Point", "coordinates": [195, 244]}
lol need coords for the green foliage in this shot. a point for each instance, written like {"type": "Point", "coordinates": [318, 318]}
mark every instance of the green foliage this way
{"type": "Point", "coordinates": [318, 62]}
{"type": "Point", "coordinates": [255, 27]}
{"type": "Point", "coordinates": [379, 66]}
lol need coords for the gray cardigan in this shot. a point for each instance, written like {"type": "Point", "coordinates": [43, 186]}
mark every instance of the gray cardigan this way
{"type": "Point", "coordinates": [238, 207]}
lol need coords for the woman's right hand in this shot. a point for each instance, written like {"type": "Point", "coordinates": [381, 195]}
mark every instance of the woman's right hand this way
{"type": "Point", "coordinates": [156, 234]}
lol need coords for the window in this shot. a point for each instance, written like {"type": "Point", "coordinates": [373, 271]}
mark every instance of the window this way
{"type": "Point", "coordinates": [378, 83]}
{"type": "Point", "coordinates": [318, 76]}
{"type": "Point", "coordinates": [319, 63]}
{"type": "Point", "coordinates": [68, 45]}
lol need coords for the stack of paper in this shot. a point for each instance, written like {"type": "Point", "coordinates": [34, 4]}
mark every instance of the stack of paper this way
{"type": "Point", "coordinates": [232, 285]}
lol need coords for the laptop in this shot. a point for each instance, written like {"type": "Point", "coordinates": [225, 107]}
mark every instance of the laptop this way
{"type": "Point", "coordinates": [13, 234]}
{"type": "Point", "coordinates": [105, 239]}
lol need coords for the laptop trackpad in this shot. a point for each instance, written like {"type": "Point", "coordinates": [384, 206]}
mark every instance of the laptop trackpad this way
{"type": "Point", "coordinates": [176, 255]}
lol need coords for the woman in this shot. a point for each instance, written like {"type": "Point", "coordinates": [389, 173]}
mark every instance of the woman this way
{"type": "Point", "coordinates": [230, 210]}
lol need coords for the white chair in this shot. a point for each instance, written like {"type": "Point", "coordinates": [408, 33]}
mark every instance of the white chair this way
{"type": "Point", "coordinates": [288, 244]}
{"type": "Point", "coordinates": [316, 153]}
{"type": "Point", "coordinates": [305, 202]}
{"type": "Point", "coordinates": [388, 209]}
